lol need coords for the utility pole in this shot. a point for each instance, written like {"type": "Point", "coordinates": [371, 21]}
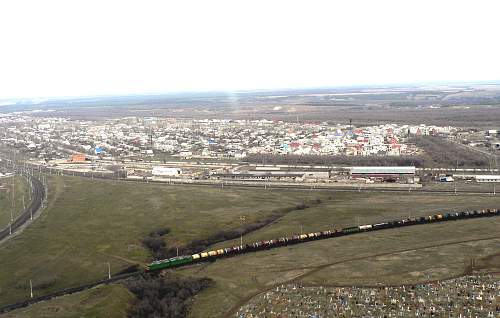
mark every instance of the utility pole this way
{"type": "Point", "coordinates": [242, 219]}
{"type": "Point", "coordinates": [13, 203]}
{"type": "Point", "coordinates": [109, 271]}
{"type": "Point", "coordinates": [31, 289]}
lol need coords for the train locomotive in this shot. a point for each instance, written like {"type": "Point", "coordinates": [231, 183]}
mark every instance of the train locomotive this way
{"type": "Point", "coordinates": [299, 238]}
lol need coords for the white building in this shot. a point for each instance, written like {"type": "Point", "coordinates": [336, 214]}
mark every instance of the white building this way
{"type": "Point", "coordinates": [166, 171]}
{"type": "Point", "coordinates": [487, 178]}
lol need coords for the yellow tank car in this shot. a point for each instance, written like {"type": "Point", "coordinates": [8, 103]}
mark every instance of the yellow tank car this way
{"type": "Point", "coordinates": [204, 254]}
{"type": "Point", "coordinates": [212, 253]}
{"type": "Point", "coordinates": [195, 256]}
{"type": "Point", "coordinates": [220, 252]}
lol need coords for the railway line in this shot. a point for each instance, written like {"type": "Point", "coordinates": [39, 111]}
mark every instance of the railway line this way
{"type": "Point", "coordinates": [185, 260]}
{"type": "Point", "coordinates": [315, 269]}
{"type": "Point", "coordinates": [209, 256]}
{"type": "Point", "coordinates": [33, 208]}
{"type": "Point", "coordinates": [119, 176]}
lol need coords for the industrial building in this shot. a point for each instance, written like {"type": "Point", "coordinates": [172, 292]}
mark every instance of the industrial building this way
{"type": "Point", "coordinates": [261, 176]}
{"type": "Point", "coordinates": [487, 178]}
{"type": "Point", "coordinates": [387, 174]}
{"type": "Point", "coordinates": [166, 171]}
{"type": "Point", "coordinates": [79, 157]}
{"type": "Point", "coordinates": [478, 177]}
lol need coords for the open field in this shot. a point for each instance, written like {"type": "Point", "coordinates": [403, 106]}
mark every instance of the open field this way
{"type": "Point", "coordinates": [463, 105]}
{"type": "Point", "coordinates": [461, 185]}
{"type": "Point", "coordinates": [90, 223]}
{"type": "Point", "coordinates": [104, 301]}
{"type": "Point", "coordinates": [21, 189]}
{"type": "Point", "coordinates": [82, 230]}
{"type": "Point", "coordinates": [397, 256]}
{"type": "Point", "coordinates": [472, 115]}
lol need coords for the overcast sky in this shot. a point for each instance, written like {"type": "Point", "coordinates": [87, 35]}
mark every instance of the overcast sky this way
{"type": "Point", "coordinates": [66, 48]}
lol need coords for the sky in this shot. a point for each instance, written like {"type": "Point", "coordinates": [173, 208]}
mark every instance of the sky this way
{"type": "Point", "coordinates": [105, 47]}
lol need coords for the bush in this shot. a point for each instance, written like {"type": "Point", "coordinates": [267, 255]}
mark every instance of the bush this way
{"type": "Point", "coordinates": [156, 243]}
{"type": "Point", "coordinates": [163, 297]}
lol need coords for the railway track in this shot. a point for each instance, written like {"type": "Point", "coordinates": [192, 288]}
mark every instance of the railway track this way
{"type": "Point", "coordinates": [119, 176]}
{"type": "Point", "coordinates": [314, 269]}
{"type": "Point", "coordinates": [31, 211]}
{"type": "Point", "coordinates": [116, 278]}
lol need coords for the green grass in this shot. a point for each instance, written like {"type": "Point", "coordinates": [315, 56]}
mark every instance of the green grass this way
{"type": "Point", "coordinates": [396, 256]}
{"type": "Point", "coordinates": [461, 185]}
{"type": "Point", "coordinates": [6, 206]}
{"type": "Point", "coordinates": [103, 301]}
{"type": "Point", "coordinates": [89, 223]}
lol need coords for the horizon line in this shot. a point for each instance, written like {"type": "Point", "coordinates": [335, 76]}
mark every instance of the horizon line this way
{"type": "Point", "coordinates": [250, 90]}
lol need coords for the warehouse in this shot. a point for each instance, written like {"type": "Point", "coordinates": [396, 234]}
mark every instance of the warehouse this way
{"type": "Point", "coordinates": [384, 174]}
{"type": "Point", "coordinates": [487, 178]}
{"type": "Point", "coordinates": [261, 176]}
{"type": "Point", "coordinates": [166, 171]}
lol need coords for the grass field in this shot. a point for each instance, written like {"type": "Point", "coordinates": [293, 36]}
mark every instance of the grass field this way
{"type": "Point", "coordinates": [104, 301]}
{"type": "Point", "coordinates": [6, 206]}
{"type": "Point", "coordinates": [406, 255]}
{"type": "Point", "coordinates": [90, 223]}
{"type": "Point", "coordinates": [462, 186]}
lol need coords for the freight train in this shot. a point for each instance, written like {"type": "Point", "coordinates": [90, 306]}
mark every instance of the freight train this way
{"type": "Point", "coordinates": [299, 238]}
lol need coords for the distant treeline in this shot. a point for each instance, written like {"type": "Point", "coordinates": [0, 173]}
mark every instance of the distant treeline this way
{"type": "Point", "coordinates": [338, 160]}
{"type": "Point", "coordinates": [163, 296]}
{"type": "Point", "coordinates": [438, 152]}
{"type": "Point", "coordinates": [443, 153]}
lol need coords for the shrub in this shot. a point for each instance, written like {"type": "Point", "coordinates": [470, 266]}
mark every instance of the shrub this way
{"type": "Point", "coordinates": [163, 297]}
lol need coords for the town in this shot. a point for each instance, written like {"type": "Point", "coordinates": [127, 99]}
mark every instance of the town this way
{"type": "Point", "coordinates": [133, 137]}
